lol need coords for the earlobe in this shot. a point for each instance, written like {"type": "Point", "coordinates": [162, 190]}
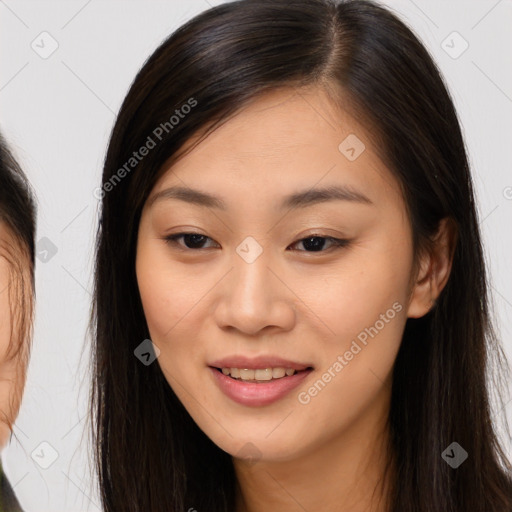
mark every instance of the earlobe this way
{"type": "Point", "coordinates": [434, 270]}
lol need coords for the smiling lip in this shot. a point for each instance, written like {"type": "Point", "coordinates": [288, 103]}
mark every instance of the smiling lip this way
{"type": "Point", "coordinates": [256, 394]}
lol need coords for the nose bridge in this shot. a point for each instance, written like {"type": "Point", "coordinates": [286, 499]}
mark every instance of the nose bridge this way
{"type": "Point", "coordinates": [251, 279]}
{"type": "Point", "coordinates": [252, 297]}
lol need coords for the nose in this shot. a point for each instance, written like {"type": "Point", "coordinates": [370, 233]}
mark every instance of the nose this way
{"type": "Point", "coordinates": [254, 296]}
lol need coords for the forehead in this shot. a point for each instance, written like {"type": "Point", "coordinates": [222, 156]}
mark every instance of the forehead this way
{"type": "Point", "coordinates": [283, 141]}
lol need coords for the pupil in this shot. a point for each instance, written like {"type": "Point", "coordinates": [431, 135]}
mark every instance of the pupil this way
{"type": "Point", "coordinates": [196, 239]}
{"type": "Point", "coordinates": [314, 246]}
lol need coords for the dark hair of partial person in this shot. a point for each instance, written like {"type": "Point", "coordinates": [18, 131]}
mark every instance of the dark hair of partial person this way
{"type": "Point", "coordinates": [149, 453]}
{"type": "Point", "coordinates": [18, 212]}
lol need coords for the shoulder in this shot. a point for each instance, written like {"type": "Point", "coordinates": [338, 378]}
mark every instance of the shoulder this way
{"type": "Point", "coordinates": [8, 500]}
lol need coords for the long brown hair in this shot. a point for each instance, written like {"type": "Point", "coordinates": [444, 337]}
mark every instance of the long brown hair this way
{"type": "Point", "coordinates": [149, 453]}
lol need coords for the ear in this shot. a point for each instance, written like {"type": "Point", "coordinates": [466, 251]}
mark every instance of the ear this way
{"type": "Point", "coordinates": [434, 270]}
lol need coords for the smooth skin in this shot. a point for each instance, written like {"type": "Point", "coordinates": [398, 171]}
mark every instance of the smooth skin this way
{"type": "Point", "coordinates": [308, 306]}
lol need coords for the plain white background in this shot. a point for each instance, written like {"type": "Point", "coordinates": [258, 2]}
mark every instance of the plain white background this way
{"type": "Point", "coordinates": [57, 113]}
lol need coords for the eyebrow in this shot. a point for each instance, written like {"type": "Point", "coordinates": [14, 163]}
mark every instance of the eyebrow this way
{"type": "Point", "coordinates": [301, 199]}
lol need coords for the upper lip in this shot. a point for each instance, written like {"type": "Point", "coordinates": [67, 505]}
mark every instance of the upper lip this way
{"type": "Point", "coordinates": [254, 363]}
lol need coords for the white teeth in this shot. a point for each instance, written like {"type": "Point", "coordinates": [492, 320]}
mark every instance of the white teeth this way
{"type": "Point", "coordinates": [265, 374]}
{"type": "Point", "coordinates": [246, 374]}
{"type": "Point", "coordinates": [277, 373]}
{"type": "Point", "coordinates": [258, 374]}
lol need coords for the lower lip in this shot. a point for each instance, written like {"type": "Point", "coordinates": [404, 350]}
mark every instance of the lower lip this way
{"type": "Point", "coordinates": [257, 394]}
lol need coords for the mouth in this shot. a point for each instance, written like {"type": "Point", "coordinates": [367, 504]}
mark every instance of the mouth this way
{"type": "Point", "coordinates": [257, 387]}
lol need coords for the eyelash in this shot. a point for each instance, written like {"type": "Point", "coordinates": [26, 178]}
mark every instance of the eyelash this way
{"type": "Point", "coordinates": [337, 243]}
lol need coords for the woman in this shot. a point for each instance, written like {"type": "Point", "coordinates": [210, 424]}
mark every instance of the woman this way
{"type": "Point", "coordinates": [240, 363]}
{"type": "Point", "coordinates": [17, 293]}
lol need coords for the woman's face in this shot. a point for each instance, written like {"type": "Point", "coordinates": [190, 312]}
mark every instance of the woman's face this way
{"type": "Point", "coordinates": [250, 287]}
{"type": "Point", "coordinates": [11, 376]}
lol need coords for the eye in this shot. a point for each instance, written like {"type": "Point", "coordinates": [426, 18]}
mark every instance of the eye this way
{"type": "Point", "coordinates": [196, 240]}
{"type": "Point", "coordinates": [315, 243]}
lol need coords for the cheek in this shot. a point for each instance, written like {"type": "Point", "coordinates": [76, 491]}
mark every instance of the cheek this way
{"type": "Point", "coordinates": [165, 292]}
{"type": "Point", "coordinates": [171, 300]}
{"type": "Point", "coordinates": [363, 304]}
{"type": "Point", "coordinates": [352, 296]}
